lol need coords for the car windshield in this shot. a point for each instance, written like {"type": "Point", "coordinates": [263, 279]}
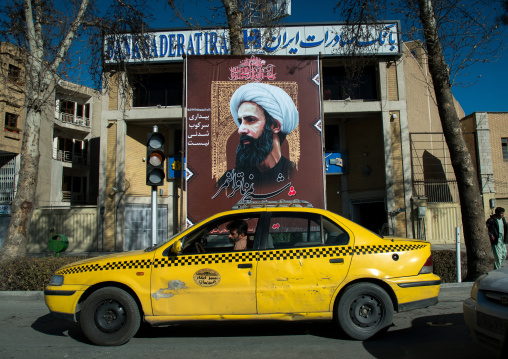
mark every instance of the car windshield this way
{"type": "Point", "coordinates": [155, 246]}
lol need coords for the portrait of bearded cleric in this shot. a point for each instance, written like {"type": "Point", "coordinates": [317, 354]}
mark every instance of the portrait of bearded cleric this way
{"type": "Point", "coordinates": [264, 114]}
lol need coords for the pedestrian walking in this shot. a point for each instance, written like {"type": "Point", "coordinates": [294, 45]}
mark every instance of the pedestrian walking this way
{"type": "Point", "coordinates": [498, 228]}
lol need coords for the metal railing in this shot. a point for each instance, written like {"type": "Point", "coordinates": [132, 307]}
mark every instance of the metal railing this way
{"type": "Point", "coordinates": [75, 120]}
{"type": "Point", "coordinates": [74, 197]}
{"type": "Point", "coordinates": [437, 191]}
{"type": "Point", "coordinates": [68, 156]}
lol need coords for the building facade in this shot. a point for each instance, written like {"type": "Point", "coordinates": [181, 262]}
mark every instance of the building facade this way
{"type": "Point", "coordinates": [397, 177]}
{"type": "Point", "coordinates": [69, 151]}
{"type": "Point", "coordinates": [489, 149]}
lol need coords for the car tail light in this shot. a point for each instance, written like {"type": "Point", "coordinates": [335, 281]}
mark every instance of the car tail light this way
{"type": "Point", "coordinates": [427, 267]}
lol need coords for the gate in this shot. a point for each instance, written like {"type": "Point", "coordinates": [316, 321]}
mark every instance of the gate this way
{"type": "Point", "coordinates": [138, 226]}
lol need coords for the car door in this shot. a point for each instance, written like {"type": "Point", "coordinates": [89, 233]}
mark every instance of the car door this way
{"type": "Point", "coordinates": [305, 259]}
{"type": "Point", "coordinates": [218, 281]}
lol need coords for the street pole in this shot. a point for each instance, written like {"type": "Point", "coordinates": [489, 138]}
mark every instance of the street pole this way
{"type": "Point", "coordinates": [154, 207]}
{"type": "Point", "coordinates": [457, 241]}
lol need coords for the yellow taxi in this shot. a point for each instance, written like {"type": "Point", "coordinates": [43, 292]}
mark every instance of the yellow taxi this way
{"type": "Point", "coordinates": [266, 263]}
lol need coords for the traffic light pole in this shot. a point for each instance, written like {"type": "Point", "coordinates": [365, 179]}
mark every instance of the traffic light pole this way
{"type": "Point", "coordinates": [154, 215]}
{"type": "Point", "coordinates": [154, 207]}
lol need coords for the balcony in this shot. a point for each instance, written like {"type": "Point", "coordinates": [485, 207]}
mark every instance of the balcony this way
{"type": "Point", "coordinates": [73, 197]}
{"type": "Point", "coordinates": [69, 157]}
{"type": "Point", "coordinates": [75, 120]}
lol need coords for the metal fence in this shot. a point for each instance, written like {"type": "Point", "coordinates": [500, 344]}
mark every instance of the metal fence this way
{"type": "Point", "coordinates": [77, 223]}
{"type": "Point", "coordinates": [431, 168]}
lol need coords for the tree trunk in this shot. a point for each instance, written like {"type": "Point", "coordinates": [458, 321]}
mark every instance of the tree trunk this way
{"type": "Point", "coordinates": [479, 254]}
{"type": "Point", "coordinates": [235, 17]}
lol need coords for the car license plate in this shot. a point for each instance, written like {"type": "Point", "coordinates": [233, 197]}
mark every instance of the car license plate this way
{"type": "Point", "coordinates": [491, 323]}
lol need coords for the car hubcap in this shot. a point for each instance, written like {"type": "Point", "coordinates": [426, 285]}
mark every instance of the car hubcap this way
{"type": "Point", "coordinates": [110, 316]}
{"type": "Point", "coordinates": [365, 311]}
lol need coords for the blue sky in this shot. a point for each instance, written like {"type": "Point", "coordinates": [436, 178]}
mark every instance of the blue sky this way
{"type": "Point", "coordinates": [487, 94]}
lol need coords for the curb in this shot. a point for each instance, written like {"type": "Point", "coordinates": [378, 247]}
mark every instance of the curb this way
{"type": "Point", "coordinates": [21, 295]}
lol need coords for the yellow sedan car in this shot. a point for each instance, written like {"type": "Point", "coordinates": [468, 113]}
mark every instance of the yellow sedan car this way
{"type": "Point", "coordinates": [268, 263]}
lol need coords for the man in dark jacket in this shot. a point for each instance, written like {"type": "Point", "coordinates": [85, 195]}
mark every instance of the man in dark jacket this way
{"type": "Point", "coordinates": [498, 228]}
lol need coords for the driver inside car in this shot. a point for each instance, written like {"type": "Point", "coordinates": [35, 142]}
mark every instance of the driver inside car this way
{"type": "Point", "coordinates": [238, 234]}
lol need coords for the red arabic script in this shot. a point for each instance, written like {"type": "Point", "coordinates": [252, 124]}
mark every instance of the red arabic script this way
{"type": "Point", "coordinates": [252, 69]}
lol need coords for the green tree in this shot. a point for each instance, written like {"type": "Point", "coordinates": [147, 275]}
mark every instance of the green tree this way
{"type": "Point", "coordinates": [455, 35]}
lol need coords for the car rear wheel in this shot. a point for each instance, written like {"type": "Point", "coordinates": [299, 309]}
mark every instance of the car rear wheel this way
{"type": "Point", "coordinates": [110, 317]}
{"type": "Point", "coordinates": [364, 310]}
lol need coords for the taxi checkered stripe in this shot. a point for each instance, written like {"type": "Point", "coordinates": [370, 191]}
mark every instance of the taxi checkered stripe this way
{"type": "Point", "coordinates": [239, 257]}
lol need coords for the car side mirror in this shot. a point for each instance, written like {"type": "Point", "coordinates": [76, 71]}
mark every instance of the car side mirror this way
{"type": "Point", "coordinates": [176, 247]}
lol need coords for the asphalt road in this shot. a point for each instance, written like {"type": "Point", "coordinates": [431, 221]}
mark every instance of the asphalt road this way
{"type": "Point", "coordinates": [28, 330]}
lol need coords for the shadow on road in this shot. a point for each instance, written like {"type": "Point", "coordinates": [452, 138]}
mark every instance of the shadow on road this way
{"type": "Point", "coordinates": [436, 337]}
{"type": "Point", "coordinates": [439, 336]}
{"type": "Point", "coordinates": [51, 325]}
{"type": "Point", "coordinates": [241, 329]}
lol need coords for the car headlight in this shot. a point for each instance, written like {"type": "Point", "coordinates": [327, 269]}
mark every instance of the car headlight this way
{"type": "Point", "coordinates": [476, 285]}
{"type": "Point", "coordinates": [56, 280]}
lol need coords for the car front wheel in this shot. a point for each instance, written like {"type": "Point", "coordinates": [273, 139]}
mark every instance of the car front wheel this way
{"type": "Point", "coordinates": [364, 310]}
{"type": "Point", "coordinates": [110, 317]}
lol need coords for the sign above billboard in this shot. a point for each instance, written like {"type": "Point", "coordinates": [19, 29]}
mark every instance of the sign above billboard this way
{"type": "Point", "coordinates": [327, 40]}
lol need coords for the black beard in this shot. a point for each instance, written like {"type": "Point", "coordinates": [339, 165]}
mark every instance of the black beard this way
{"type": "Point", "coordinates": [248, 156]}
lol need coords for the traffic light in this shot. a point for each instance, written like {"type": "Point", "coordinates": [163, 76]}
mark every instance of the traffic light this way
{"type": "Point", "coordinates": [155, 159]}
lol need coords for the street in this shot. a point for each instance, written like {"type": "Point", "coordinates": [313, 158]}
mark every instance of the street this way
{"type": "Point", "coordinates": [29, 330]}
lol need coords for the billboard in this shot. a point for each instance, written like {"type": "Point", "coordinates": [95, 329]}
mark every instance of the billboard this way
{"type": "Point", "coordinates": [253, 132]}
{"type": "Point", "coordinates": [380, 39]}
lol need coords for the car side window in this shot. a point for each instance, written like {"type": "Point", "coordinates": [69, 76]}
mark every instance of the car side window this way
{"type": "Point", "coordinates": [292, 230]}
{"type": "Point", "coordinates": [214, 236]}
{"type": "Point", "coordinates": [333, 234]}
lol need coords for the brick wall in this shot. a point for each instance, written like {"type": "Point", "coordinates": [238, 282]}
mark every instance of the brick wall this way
{"type": "Point", "coordinates": [498, 124]}
{"type": "Point", "coordinates": [391, 80]}
{"type": "Point", "coordinates": [398, 173]}
{"type": "Point", "coordinates": [109, 221]}
{"type": "Point", "coordinates": [113, 92]}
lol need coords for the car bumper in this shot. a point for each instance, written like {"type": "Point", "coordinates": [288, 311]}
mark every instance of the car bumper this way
{"type": "Point", "coordinates": [416, 292]}
{"type": "Point", "coordinates": [62, 301]}
{"type": "Point", "coordinates": [487, 330]}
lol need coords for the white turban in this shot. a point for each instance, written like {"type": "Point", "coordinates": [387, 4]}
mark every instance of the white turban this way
{"type": "Point", "coordinates": [272, 98]}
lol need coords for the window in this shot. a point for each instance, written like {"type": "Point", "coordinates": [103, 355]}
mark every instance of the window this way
{"type": "Point", "coordinates": [67, 107]}
{"type": "Point", "coordinates": [337, 85]}
{"type": "Point", "coordinates": [11, 122]}
{"type": "Point", "coordinates": [14, 73]}
{"type": "Point", "coordinates": [157, 89]}
{"type": "Point", "coordinates": [294, 230]}
{"type": "Point", "coordinates": [74, 188]}
{"type": "Point", "coordinates": [7, 177]}
{"type": "Point", "coordinates": [504, 146]}
{"type": "Point", "coordinates": [332, 138]}
{"type": "Point", "coordinates": [214, 236]}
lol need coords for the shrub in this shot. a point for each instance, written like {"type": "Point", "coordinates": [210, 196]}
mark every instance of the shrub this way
{"type": "Point", "coordinates": [445, 265]}
{"type": "Point", "coordinates": [30, 273]}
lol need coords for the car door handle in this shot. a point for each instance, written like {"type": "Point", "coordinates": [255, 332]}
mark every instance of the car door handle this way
{"type": "Point", "coordinates": [337, 260]}
{"type": "Point", "coordinates": [245, 265]}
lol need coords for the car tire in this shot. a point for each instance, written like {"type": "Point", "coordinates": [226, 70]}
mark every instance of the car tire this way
{"type": "Point", "coordinates": [364, 310]}
{"type": "Point", "coordinates": [110, 316]}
